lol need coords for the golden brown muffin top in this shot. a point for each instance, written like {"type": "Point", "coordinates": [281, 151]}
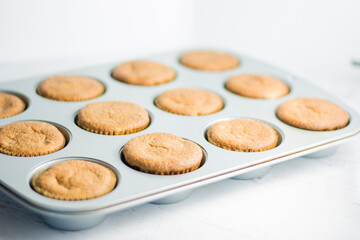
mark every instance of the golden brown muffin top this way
{"type": "Point", "coordinates": [312, 114]}
{"type": "Point", "coordinates": [257, 86]}
{"type": "Point", "coordinates": [113, 118]}
{"type": "Point", "coordinates": [242, 135]}
{"type": "Point", "coordinates": [10, 105]}
{"type": "Point", "coordinates": [70, 88]}
{"type": "Point", "coordinates": [145, 73]}
{"type": "Point", "coordinates": [189, 101]}
{"type": "Point", "coordinates": [74, 180]}
{"type": "Point", "coordinates": [31, 138]}
{"type": "Point", "coordinates": [163, 154]}
{"type": "Point", "coordinates": [209, 60]}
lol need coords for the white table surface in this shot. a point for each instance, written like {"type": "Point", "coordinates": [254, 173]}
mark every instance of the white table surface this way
{"type": "Point", "coordinates": [303, 198]}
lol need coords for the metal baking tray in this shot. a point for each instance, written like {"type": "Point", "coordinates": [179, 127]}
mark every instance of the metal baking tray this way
{"type": "Point", "coordinates": [134, 187]}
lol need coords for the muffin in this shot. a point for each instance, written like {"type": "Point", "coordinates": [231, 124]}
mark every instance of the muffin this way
{"type": "Point", "coordinates": [189, 101]}
{"type": "Point", "coordinates": [257, 86]}
{"type": "Point", "coordinates": [113, 118]}
{"type": "Point", "coordinates": [74, 180]}
{"type": "Point", "coordinates": [209, 61]}
{"type": "Point", "coordinates": [144, 73]}
{"type": "Point", "coordinates": [242, 135]}
{"type": "Point", "coordinates": [70, 88]}
{"type": "Point", "coordinates": [32, 138]}
{"type": "Point", "coordinates": [312, 114]}
{"type": "Point", "coordinates": [10, 105]}
{"type": "Point", "coordinates": [162, 154]}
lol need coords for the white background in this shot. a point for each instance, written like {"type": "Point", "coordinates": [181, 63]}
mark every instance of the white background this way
{"type": "Point", "coordinates": [302, 198]}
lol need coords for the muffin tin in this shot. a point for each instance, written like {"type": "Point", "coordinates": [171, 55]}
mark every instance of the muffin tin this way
{"type": "Point", "coordinates": [134, 187]}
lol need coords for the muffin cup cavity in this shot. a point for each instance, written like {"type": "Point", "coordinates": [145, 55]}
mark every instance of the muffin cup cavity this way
{"type": "Point", "coordinates": [174, 198]}
{"type": "Point", "coordinates": [314, 114]}
{"type": "Point", "coordinates": [253, 174]}
{"type": "Point", "coordinates": [151, 119]}
{"type": "Point", "coordinates": [203, 161]}
{"type": "Point", "coordinates": [56, 142]}
{"type": "Point", "coordinates": [176, 101]}
{"type": "Point", "coordinates": [209, 61]}
{"type": "Point", "coordinates": [279, 133]}
{"type": "Point", "coordinates": [268, 87]}
{"type": "Point", "coordinates": [117, 118]}
{"type": "Point", "coordinates": [143, 73]}
{"type": "Point", "coordinates": [24, 104]}
{"type": "Point", "coordinates": [38, 170]}
{"type": "Point", "coordinates": [59, 88]}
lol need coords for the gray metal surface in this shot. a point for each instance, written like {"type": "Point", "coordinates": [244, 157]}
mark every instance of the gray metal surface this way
{"type": "Point", "coordinates": [135, 187]}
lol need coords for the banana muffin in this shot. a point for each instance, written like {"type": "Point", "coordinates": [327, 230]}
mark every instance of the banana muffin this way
{"type": "Point", "coordinates": [242, 135]}
{"type": "Point", "coordinates": [74, 180]}
{"type": "Point", "coordinates": [209, 60]}
{"type": "Point", "coordinates": [144, 73]}
{"type": "Point", "coordinates": [113, 118]}
{"type": "Point", "coordinates": [162, 154]}
{"type": "Point", "coordinates": [10, 105]}
{"type": "Point", "coordinates": [313, 114]}
{"type": "Point", "coordinates": [70, 88]}
{"type": "Point", "coordinates": [189, 101]}
{"type": "Point", "coordinates": [31, 138]}
{"type": "Point", "coordinates": [257, 86]}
